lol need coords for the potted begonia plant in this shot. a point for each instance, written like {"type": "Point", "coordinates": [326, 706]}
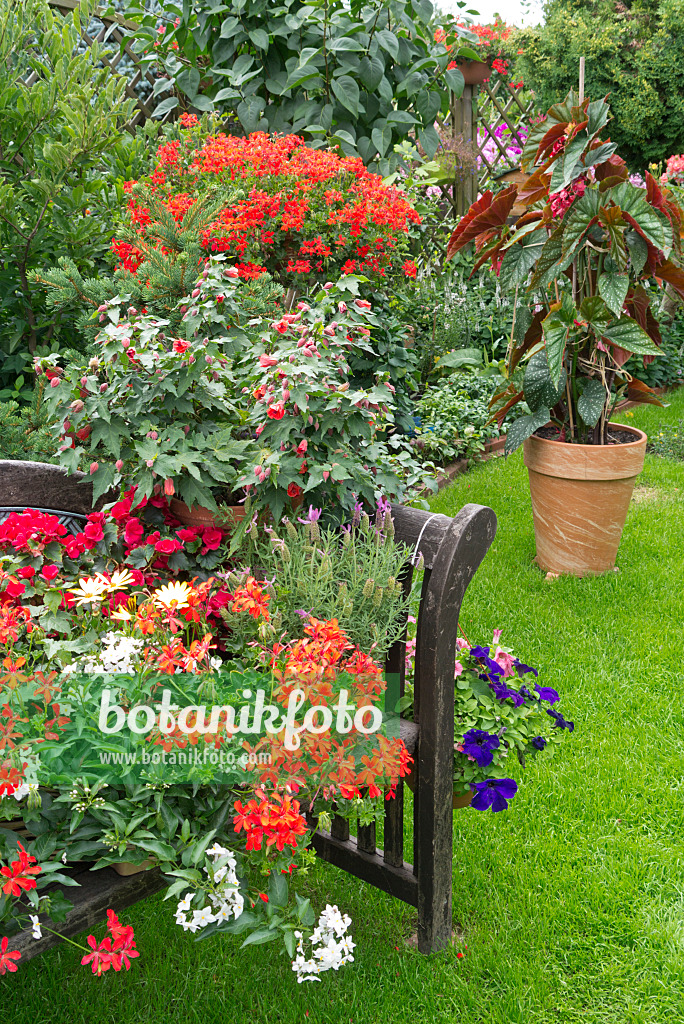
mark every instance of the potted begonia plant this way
{"type": "Point", "coordinates": [584, 263]}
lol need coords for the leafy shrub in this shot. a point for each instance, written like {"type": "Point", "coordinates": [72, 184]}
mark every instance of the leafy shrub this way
{"type": "Point", "coordinates": [635, 53]}
{"type": "Point", "coordinates": [362, 75]}
{"type": "Point", "coordinates": [668, 368]}
{"type": "Point", "coordinates": [54, 137]}
{"type": "Point", "coordinates": [454, 417]}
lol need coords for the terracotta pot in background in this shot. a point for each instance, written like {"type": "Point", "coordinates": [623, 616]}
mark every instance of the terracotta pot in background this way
{"type": "Point", "coordinates": [126, 868]}
{"type": "Point", "coordinates": [201, 517]}
{"type": "Point", "coordinates": [580, 496]}
{"type": "Point", "coordinates": [458, 799]}
{"type": "Point", "coordinates": [474, 72]}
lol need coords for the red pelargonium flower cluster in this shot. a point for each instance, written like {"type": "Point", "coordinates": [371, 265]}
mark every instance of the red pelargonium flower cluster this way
{"type": "Point", "coordinates": [116, 950]}
{"type": "Point", "coordinates": [270, 821]}
{"type": "Point", "coordinates": [287, 206]}
{"type": "Point", "coordinates": [20, 874]}
{"type": "Point", "coordinates": [321, 665]}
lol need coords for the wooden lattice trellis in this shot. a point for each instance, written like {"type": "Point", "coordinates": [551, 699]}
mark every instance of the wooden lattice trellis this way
{"type": "Point", "coordinates": [474, 120]}
{"type": "Point", "coordinates": [498, 106]}
{"type": "Point", "coordinates": [115, 28]}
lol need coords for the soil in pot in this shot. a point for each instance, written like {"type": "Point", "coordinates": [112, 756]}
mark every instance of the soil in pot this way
{"type": "Point", "coordinates": [580, 496]}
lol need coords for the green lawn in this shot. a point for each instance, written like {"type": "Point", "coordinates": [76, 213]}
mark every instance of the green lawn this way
{"type": "Point", "coordinates": [571, 904]}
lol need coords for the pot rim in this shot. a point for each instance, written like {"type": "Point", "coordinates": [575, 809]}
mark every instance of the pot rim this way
{"type": "Point", "coordinates": [639, 438]}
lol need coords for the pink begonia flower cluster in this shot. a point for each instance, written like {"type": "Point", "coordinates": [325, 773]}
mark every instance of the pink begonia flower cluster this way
{"type": "Point", "coordinates": [560, 201]}
{"type": "Point", "coordinates": [674, 168]}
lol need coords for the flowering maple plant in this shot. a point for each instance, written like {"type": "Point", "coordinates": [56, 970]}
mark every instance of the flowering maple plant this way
{"type": "Point", "coordinates": [151, 410]}
{"type": "Point", "coordinates": [585, 257]}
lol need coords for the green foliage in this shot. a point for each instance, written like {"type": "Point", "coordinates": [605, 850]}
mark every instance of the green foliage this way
{"type": "Point", "coordinates": [152, 408]}
{"type": "Point", "coordinates": [635, 53]}
{"type": "Point", "coordinates": [25, 432]}
{"type": "Point", "coordinates": [454, 417]}
{"type": "Point", "coordinates": [667, 440]}
{"type": "Point", "coordinates": [361, 75]}
{"type": "Point", "coordinates": [349, 576]}
{"type": "Point", "coordinates": [668, 368]}
{"type": "Point", "coordinates": [55, 136]}
{"type": "Point", "coordinates": [318, 430]}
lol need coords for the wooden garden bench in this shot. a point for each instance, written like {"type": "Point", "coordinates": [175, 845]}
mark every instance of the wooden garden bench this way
{"type": "Point", "coordinates": [452, 549]}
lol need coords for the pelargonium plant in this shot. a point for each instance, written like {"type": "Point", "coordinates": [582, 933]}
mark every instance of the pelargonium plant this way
{"type": "Point", "coordinates": [231, 860]}
{"type": "Point", "coordinates": [584, 263]}
{"type": "Point", "coordinates": [276, 205]}
{"type": "Point", "coordinates": [499, 714]}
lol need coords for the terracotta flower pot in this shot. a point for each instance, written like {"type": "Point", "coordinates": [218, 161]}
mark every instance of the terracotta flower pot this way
{"type": "Point", "coordinates": [580, 496]}
{"type": "Point", "coordinates": [458, 799]}
{"type": "Point", "coordinates": [126, 868]}
{"type": "Point", "coordinates": [201, 517]}
{"type": "Point", "coordinates": [474, 72]}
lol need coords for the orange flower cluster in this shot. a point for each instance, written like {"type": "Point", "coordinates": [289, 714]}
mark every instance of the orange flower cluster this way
{"type": "Point", "coordinates": [252, 598]}
{"type": "Point", "coordinates": [307, 209]}
{"type": "Point", "coordinates": [275, 821]}
{"type": "Point", "coordinates": [322, 664]}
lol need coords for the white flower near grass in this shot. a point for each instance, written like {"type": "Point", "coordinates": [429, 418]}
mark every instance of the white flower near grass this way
{"type": "Point", "coordinates": [331, 946]}
{"type": "Point", "coordinates": [35, 927]}
{"type": "Point", "coordinates": [226, 901]}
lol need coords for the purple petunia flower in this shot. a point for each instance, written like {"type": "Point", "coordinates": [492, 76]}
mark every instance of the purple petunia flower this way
{"type": "Point", "coordinates": [538, 742]}
{"type": "Point", "coordinates": [480, 652]}
{"type": "Point", "coordinates": [522, 668]}
{"type": "Point", "coordinates": [558, 720]}
{"type": "Point", "coordinates": [502, 692]}
{"type": "Point", "coordinates": [494, 793]}
{"type": "Point", "coordinates": [479, 745]}
{"type": "Point", "coordinates": [547, 693]}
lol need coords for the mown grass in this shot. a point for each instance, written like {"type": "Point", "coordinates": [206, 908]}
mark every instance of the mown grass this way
{"type": "Point", "coordinates": [571, 904]}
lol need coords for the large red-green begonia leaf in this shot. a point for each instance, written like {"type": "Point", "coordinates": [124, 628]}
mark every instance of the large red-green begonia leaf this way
{"type": "Point", "coordinates": [492, 215]}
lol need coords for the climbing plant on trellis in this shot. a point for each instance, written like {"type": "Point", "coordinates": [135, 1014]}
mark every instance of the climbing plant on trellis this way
{"type": "Point", "coordinates": [122, 61]}
{"type": "Point", "coordinates": [503, 116]}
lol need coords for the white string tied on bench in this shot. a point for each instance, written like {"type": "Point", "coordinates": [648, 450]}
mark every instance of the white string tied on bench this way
{"type": "Point", "coordinates": [417, 554]}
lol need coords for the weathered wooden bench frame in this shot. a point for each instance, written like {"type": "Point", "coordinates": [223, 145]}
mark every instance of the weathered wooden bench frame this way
{"type": "Point", "coordinates": [452, 549]}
